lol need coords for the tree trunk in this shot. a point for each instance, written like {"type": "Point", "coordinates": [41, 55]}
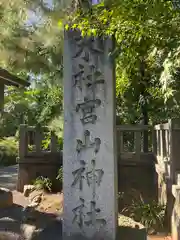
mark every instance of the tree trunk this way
{"type": "Point", "coordinates": [144, 105]}
{"type": "Point", "coordinates": [145, 122]}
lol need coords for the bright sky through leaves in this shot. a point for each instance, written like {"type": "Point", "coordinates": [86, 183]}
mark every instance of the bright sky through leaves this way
{"type": "Point", "coordinates": [95, 2]}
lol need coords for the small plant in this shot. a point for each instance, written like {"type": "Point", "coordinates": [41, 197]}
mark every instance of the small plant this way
{"type": "Point", "coordinates": [60, 143]}
{"type": "Point", "coordinates": [8, 151]}
{"type": "Point", "coordinates": [60, 175]}
{"type": "Point", "coordinates": [151, 215]}
{"type": "Point", "coordinates": [46, 142]}
{"type": "Point", "coordinates": [42, 183]}
{"type": "Point", "coordinates": [120, 195]}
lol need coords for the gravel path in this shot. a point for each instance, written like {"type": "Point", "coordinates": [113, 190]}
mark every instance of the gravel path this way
{"type": "Point", "coordinates": [8, 177]}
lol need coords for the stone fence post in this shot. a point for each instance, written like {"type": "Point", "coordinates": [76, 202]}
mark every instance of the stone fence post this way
{"type": "Point", "coordinates": [174, 149]}
{"type": "Point", "coordinates": [23, 141]}
{"type": "Point", "coordinates": [175, 224]}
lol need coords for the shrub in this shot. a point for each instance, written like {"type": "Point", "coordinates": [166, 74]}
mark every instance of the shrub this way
{"type": "Point", "coordinates": [121, 195]}
{"type": "Point", "coordinates": [8, 151]}
{"type": "Point", "coordinates": [60, 175]}
{"type": "Point", "coordinates": [47, 142]}
{"type": "Point", "coordinates": [60, 143]}
{"type": "Point", "coordinates": [43, 183]}
{"type": "Point", "coordinates": [151, 214]}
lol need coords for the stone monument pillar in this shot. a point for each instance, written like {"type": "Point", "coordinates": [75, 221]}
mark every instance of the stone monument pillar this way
{"type": "Point", "coordinates": [89, 154]}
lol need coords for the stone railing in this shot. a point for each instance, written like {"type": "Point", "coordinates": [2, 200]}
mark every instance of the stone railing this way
{"type": "Point", "coordinates": [167, 150]}
{"type": "Point", "coordinates": [163, 148]}
{"type": "Point", "coordinates": [34, 160]}
{"type": "Point", "coordinates": [31, 139]}
{"type": "Point", "coordinates": [136, 162]}
{"type": "Point", "coordinates": [134, 143]}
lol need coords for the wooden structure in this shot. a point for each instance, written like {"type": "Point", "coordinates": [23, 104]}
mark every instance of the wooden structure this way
{"type": "Point", "coordinates": [7, 78]}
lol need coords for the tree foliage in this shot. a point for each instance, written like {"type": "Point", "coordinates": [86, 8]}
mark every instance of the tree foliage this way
{"type": "Point", "coordinates": [147, 33]}
{"type": "Point", "coordinates": [31, 45]}
{"type": "Point", "coordinates": [36, 106]}
{"type": "Point", "coordinates": [147, 37]}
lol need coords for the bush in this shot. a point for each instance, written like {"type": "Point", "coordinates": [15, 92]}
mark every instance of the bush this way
{"type": "Point", "coordinates": [47, 142]}
{"type": "Point", "coordinates": [60, 175]}
{"type": "Point", "coordinates": [151, 214]}
{"type": "Point", "coordinates": [43, 183]}
{"type": "Point", "coordinates": [8, 151]}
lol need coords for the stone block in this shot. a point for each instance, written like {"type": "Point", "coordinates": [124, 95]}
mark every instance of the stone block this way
{"type": "Point", "coordinates": [28, 231]}
{"type": "Point", "coordinates": [28, 189]}
{"type": "Point", "coordinates": [6, 198]}
{"type": "Point", "coordinates": [4, 235]}
{"type": "Point", "coordinates": [46, 165]}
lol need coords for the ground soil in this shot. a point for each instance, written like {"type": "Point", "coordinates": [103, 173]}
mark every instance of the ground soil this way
{"type": "Point", "coordinates": [160, 238]}
{"type": "Point", "coordinates": [51, 203]}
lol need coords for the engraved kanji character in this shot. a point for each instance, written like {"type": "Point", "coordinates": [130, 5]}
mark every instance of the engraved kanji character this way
{"type": "Point", "coordinates": [79, 213]}
{"type": "Point", "coordinates": [95, 175]}
{"type": "Point", "coordinates": [82, 48]}
{"type": "Point", "coordinates": [87, 143]}
{"type": "Point", "coordinates": [80, 75]}
{"type": "Point", "coordinates": [79, 175]}
{"type": "Point", "coordinates": [86, 46]}
{"type": "Point", "coordinates": [87, 109]}
{"type": "Point", "coordinates": [93, 79]}
{"type": "Point", "coordinates": [93, 216]}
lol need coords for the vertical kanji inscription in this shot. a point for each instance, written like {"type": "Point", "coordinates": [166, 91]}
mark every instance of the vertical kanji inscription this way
{"type": "Point", "coordinates": [88, 153]}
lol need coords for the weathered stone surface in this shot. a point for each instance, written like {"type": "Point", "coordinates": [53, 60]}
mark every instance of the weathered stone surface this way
{"type": "Point", "coordinates": [6, 198]}
{"type": "Point", "coordinates": [28, 189]}
{"type": "Point", "coordinates": [28, 231]}
{"type": "Point", "coordinates": [175, 224]}
{"type": "Point", "coordinates": [35, 196]}
{"type": "Point", "coordinates": [124, 221]}
{"type": "Point", "coordinates": [9, 228]}
{"type": "Point", "coordinates": [27, 214]}
{"type": "Point", "coordinates": [89, 153]}
{"type": "Point", "coordinates": [10, 236]}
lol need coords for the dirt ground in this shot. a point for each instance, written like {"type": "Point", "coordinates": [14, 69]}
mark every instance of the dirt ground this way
{"type": "Point", "coordinates": [51, 203]}
{"type": "Point", "coordinates": [160, 238]}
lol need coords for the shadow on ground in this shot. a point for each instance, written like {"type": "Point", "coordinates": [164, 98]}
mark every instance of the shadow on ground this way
{"type": "Point", "coordinates": [54, 231]}
{"type": "Point", "coordinates": [51, 228]}
{"type": "Point", "coordinates": [127, 233]}
{"type": "Point", "coordinates": [11, 224]}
